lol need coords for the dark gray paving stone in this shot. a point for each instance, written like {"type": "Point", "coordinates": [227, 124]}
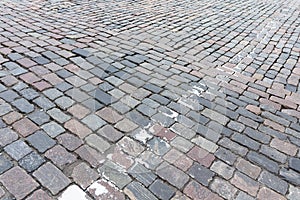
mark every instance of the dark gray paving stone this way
{"type": "Point", "coordinates": [44, 103]}
{"type": "Point", "coordinates": [225, 155]}
{"type": "Point", "coordinates": [64, 73]}
{"type": "Point", "coordinates": [81, 52]}
{"type": "Point", "coordinates": [2, 124]}
{"type": "Point", "coordinates": [29, 93]}
{"type": "Point", "coordinates": [93, 122]}
{"type": "Point", "coordinates": [41, 60]}
{"type": "Point", "coordinates": [31, 162]}
{"type": "Point", "coordinates": [142, 174]}
{"type": "Point", "coordinates": [93, 104]}
{"type": "Point", "coordinates": [201, 174]}
{"type": "Point", "coordinates": [290, 175]}
{"type": "Point", "coordinates": [136, 190]}
{"type": "Point", "coordinates": [105, 87]}
{"type": "Point", "coordinates": [103, 97]}
{"type": "Point", "coordinates": [163, 120]}
{"type": "Point", "coordinates": [53, 129]}
{"type": "Point", "coordinates": [41, 141]}
{"type": "Point", "coordinates": [18, 149]}
{"type": "Point", "coordinates": [23, 105]}
{"type": "Point", "coordinates": [110, 133]}
{"type": "Point", "coordinates": [273, 182]}
{"type": "Point", "coordinates": [9, 95]}
{"type": "Point", "coordinates": [7, 136]}
{"type": "Point", "coordinates": [115, 174]}
{"type": "Point", "coordinates": [138, 118]}
{"type": "Point", "coordinates": [39, 117]}
{"type": "Point", "coordinates": [263, 161]}
{"type": "Point", "coordinates": [50, 55]}
{"type": "Point", "coordinates": [63, 86]}
{"type": "Point", "coordinates": [152, 88]}
{"type": "Point", "coordinates": [162, 190]}
{"type": "Point", "coordinates": [51, 178]}
{"type": "Point", "coordinates": [173, 175]}
{"type": "Point", "coordinates": [259, 136]}
{"type": "Point", "coordinates": [5, 164]}
{"type": "Point", "coordinates": [158, 146]}
{"type": "Point", "coordinates": [294, 163]}
{"type": "Point", "coordinates": [246, 141]}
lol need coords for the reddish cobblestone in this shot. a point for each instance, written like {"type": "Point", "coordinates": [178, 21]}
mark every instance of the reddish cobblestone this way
{"type": "Point", "coordinates": [202, 156]}
{"type": "Point", "coordinates": [25, 127]}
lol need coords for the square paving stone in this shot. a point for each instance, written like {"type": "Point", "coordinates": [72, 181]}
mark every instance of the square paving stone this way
{"type": "Point", "coordinates": [31, 162]}
{"type": "Point", "coordinates": [97, 142]}
{"type": "Point", "coordinates": [92, 104]}
{"type": "Point", "coordinates": [126, 125]}
{"type": "Point", "coordinates": [162, 190]}
{"type": "Point", "coordinates": [110, 133]}
{"type": "Point", "coordinates": [7, 136]}
{"type": "Point", "coordinates": [81, 52]}
{"type": "Point", "coordinates": [142, 174]}
{"type": "Point", "coordinates": [158, 146]}
{"type": "Point", "coordinates": [23, 105]}
{"type": "Point", "coordinates": [78, 111]}
{"type": "Point", "coordinates": [135, 190]}
{"type": "Point", "coordinates": [44, 103]}
{"type": "Point", "coordinates": [5, 108]}
{"type": "Point", "coordinates": [18, 182]}
{"type": "Point", "coordinates": [51, 178]}
{"type": "Point", "coordinates": [60, 156]}
{"type": "Point", "coordinates": [103, 97]}
{"type": "Point", "coordinates": [69, 141]}
{"type": "Point", "coordinates": [201, 174]}
{"type": "Point", "coordinates": [93, 122]}
{"type": "Point", "coordinates": [53, 129]}
{"type": "Point", "coordinates": [9, 95]}
{"type": "Point", "coordinates": [115, 174]}
{"type": "Point", "coordinates": [39, 117]}
{"type": "Point", "coordinates": [58, 115]}
{"type": "Point", "coordinates": [5, 164]}
{"type": "Point", "coordinates": [18, 149]}
{"type": "Point", "coordinates": [93, 157]}
{"type": "Point", "coordinates": [84, 175]}
{"type": "Point", "coordinates": [39, 195]}
{"type": "Point", "coordinates": [52, 93]}
{"type": "Point", "coordinates": [64, 102]}
{"type": "Point", "coordinates": [29, 93]}
{"type": "Point", "coordinates": [77, 128]}
{"type": "Point", "coordinates": [25, 127]}
{"type": "Point", "coordinates": [109, 115]}
{"type": "Point", "coordinates": [41, 141]}
{"type": "Point", "coordinates": [173, 175]}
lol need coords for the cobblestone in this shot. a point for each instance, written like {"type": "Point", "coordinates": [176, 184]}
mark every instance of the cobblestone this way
{"type": "Point", "coordinates": [20, 187]}
{"type": "Point", "coordinates": [201, 105]}
{"type": "Point", "coordinates": [51, 178]}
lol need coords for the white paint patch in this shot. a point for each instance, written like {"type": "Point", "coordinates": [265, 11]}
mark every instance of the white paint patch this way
{"type": "Point", "coordinates": [185, 104]}
{"type": "Point", "coordinates": [73, 192]}
{"type": "Point", "coordinates": [99, 189]}
{"type": "Point", "coordinates": [143, 136]}
{"type": "Point", "coordinates": [139, 160]}
{"type": "Point", "coordinates": [172, 115]}
{"type": "Point", "coordinates": [196, 92]}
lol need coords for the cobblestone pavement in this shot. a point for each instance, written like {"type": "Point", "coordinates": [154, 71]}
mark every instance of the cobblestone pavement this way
{"type": "Point", "coordinates": [137, 99]}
